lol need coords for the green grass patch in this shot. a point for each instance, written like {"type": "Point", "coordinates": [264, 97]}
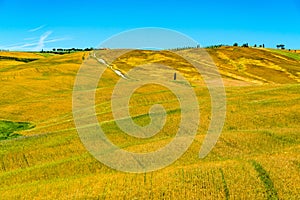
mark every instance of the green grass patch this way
{"type": "Point", "coordinates": [8, 129]}
{"type": "Point", "coordinates": [46, 55]}
{"type": "Point", "coordinates": [226, 190]}
{"type": "Point", "coordinates": [265, 178]}
{"type": "Point", "coordinates": [292, 55]}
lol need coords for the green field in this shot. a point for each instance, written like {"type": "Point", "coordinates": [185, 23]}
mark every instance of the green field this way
{"type": "Point", "coordinates": [256, 157]}
{"type": "Point", "coordinates": [8, 129]}
{"type": "Point", "coordinates": [289, 54]}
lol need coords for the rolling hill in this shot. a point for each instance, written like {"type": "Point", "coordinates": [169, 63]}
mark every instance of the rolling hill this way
{"type": "Point", "coordinates": [256, 157]}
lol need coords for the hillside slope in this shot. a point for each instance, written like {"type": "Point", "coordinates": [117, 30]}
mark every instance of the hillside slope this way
{"type": "Point", "coordinates": [238, 66]}
{"type": "Point", "coordinates": [256, 157]}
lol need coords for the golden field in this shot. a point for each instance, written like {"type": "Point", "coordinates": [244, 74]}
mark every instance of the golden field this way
{"type": "Point", "coordinates": [256, 157]}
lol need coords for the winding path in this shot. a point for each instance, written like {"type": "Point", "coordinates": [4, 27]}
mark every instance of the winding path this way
{"type": "Point", "coordinates": [102, 61]}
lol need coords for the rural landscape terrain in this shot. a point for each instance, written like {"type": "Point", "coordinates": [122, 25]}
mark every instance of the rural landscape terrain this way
{"type": "Point", "coordinates": [256, 157]}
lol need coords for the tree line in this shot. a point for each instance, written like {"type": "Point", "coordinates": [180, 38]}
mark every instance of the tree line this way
{"type": "Point", "coordinates": [64, 51]}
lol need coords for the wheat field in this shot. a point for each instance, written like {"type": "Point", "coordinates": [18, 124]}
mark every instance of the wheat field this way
{"type": "Point", "coordinates": [256, 157]}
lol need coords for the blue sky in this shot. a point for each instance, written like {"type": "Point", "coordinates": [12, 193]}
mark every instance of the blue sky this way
{"type": "Point", "coordinates": [47, 24]}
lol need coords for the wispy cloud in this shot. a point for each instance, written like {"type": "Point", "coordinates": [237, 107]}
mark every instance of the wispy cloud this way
{"type": "Point", "coordinates": [31, 38]}
{"type": "Point", "coordinates": [36, 29]}
{"type": "Point", "coordinates": [42, 40]}
{"type": "Point", "coordinates": [36, 45]}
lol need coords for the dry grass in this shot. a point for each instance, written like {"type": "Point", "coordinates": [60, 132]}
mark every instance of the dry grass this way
{"type": "Point", "coordinates": [262, 126]}
{"type": "Point", "coordinates": [256, 65]}
{"type": "Point", "coordinates": [21, 54]}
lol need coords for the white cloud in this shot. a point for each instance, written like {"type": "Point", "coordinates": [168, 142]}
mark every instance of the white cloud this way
{"type": "Point", "coordinates": [41, 42]}
{"type": "Point", "coordinates": [31, 38]}
{"type": "Point", "coordinates": [36, 45]}
{"type": "Point", "coordinates": [36, 29]}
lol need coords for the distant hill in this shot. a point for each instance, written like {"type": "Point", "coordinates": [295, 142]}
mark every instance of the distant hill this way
{"type": "Point", "coordinates": [237, 65]}
{"type": "Point", "coordinates": [257, 65]}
